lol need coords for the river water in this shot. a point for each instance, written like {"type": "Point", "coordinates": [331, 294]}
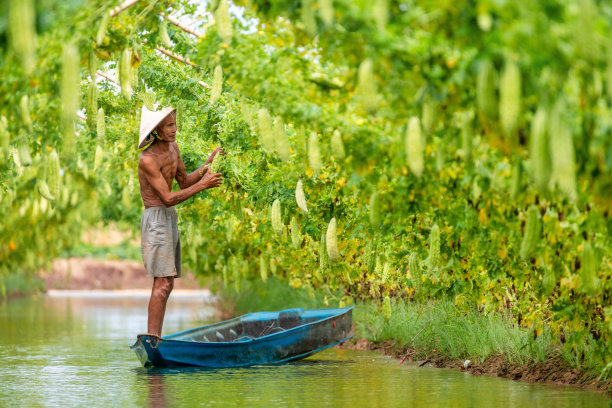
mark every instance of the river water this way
{"type": "Point", "coordinates": [74, 352]}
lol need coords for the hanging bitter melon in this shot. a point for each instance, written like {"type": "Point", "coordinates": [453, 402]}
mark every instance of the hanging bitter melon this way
{"type": "Point", "coordinates": [539, 160]}
{"type": "Point", "coordinates": [532, 232]}
{"type": "Point", "coordinates": [281, 141]}
{"type": "Point", "coordinates": [414, 147]}
{"type": "Point", "coordinates": [510, 100]}
{"type": "Point", "coordinates": [300, 197]}
{"type": "Point", "coordinates": [265, 130]}
{"type": "Point", "coordinates": [217, 87]}
{"type": "Point", "coordinates": [314, 153]}
{"type": "Point", "coordinates": [337, 147]}
{"type": "Point", "coordinates": [277, 223]}
{"type": "Point", "coordinates": [331, 240]}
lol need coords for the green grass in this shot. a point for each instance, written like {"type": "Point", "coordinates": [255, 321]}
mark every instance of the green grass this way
{"type": "Point", "coordinates": [125, 250]}
{"type": "Point", "coordinates": [473, 336]}
{"type": "Point", "coordinates": [17, 285]}
{"type": "Point", "coordinates": [274, 294]}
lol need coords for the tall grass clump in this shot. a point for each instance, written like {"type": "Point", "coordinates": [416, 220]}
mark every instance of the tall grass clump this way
{"type": "Point", "coordinates": [455, 335]}
{"type": "Point", "coordinates": [272, 295]}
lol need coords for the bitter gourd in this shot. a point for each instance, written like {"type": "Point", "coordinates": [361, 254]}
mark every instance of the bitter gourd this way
{"type": "Point", "coordinates": [331, 240]}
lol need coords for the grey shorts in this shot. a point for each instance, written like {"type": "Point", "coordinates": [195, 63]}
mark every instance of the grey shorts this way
{"type": "Point", "coordinates": [161, 244]}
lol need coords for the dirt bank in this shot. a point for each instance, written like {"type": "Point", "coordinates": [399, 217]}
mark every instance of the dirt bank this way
{"type": "Point", "coordinates": [90, 273]}
{"type": "Point", "coordinates": [553, 371]}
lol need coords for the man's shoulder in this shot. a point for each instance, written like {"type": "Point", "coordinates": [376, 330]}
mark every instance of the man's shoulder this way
{"type": "Point", "coordinates": [146, 158]}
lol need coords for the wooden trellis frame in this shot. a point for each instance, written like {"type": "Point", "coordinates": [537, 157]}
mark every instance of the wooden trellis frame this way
{"type": "Point", "coordinates": [174, 56]}
{"type": "Point", "coordinates": [123, 6]}
{"type": "Point", "coordinates": [106, 76]}
{"type": "Point", "coordinates": [181, 26]}
{"type": "Point", "coordinates": [129, 3]}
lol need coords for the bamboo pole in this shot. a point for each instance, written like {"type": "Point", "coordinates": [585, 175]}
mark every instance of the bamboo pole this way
{"type": "Point", "coordinates": [204, 84]}
{"type": "Point", "coordinates": [174, 56]}
{"type": "Point", "coordinates": [181, 26]}
{"type": "Point", "coordinates": [106, 76]}
{"type": "Point", "coordinates": [126, 4]}
{"type": "Point", "coordinates": [184, 61]}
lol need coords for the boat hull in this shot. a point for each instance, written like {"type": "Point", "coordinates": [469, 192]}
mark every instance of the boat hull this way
{"type": "Point", "coordinates": [287, 345]}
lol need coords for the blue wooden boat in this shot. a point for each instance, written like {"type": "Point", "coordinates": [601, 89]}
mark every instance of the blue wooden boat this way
{"type": "Point", "coordinates": [251, 339]}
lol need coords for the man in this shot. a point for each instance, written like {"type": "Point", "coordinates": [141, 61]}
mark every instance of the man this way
{"type": "Point", "coordinates": [158, 165]}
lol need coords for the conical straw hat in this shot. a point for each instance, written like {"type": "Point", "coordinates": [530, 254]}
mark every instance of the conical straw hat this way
{"type": "Point", "coordinates": [149, 121]}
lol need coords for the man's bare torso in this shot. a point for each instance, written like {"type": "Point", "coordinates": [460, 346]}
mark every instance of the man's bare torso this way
{"type": "Point", "coordinates": [166, 162]}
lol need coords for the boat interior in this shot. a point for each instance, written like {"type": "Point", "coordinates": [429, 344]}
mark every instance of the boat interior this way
{"type": "Point", "coordinates": [250, 326]}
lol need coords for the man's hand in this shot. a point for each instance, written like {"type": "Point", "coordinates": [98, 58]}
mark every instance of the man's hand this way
{"type": "Point", "coordinates": [210, 180]}
{"type": "Point", "coordinates": [214, 153]}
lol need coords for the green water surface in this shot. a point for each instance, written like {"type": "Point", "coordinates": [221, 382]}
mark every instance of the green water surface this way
{"type": "Point", "coordinates": [74, 352]}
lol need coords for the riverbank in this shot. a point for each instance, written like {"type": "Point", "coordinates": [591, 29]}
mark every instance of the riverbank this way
{"type": "Point", "coordinates": [104, 274]}
{"type": "Point", "coordinates": [434, 334]}
{"type": "Point", "coordinates": [554, 370]}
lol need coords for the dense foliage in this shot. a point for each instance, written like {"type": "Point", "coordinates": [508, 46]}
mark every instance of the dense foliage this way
{"type": "Point", "coordinates": [412, 149]}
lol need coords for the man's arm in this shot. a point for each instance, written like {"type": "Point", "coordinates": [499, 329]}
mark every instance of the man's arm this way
{"type": "Point", "coordinates": [158, 183]}
{"type": "Point", "coordinates": [187, 180]}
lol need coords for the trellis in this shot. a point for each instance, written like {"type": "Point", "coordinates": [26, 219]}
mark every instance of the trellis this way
{"type": "Point", "coordinates": [127, 4]}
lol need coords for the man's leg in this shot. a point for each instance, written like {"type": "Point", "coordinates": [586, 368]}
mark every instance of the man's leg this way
{"type": "Point", "coordinates": [162, 286]}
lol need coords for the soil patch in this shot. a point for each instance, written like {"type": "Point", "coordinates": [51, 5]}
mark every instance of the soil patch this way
{"type": "Point", "coordinates": [91, 273]}
{"type": "Point", "coordinates": [554, 370]}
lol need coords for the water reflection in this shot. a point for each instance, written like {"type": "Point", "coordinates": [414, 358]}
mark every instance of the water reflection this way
{"type": "Point", "coordinates": [157, 393]}
{"type": "Point", "coordinates": [230, 384]}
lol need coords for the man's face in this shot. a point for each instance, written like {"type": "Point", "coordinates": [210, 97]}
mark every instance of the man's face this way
{"type": "Point", "coordinates": [167, 128]}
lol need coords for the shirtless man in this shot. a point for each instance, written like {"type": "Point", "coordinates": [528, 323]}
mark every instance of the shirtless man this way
{"type": "Point", "coordinates": [158, 165]}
